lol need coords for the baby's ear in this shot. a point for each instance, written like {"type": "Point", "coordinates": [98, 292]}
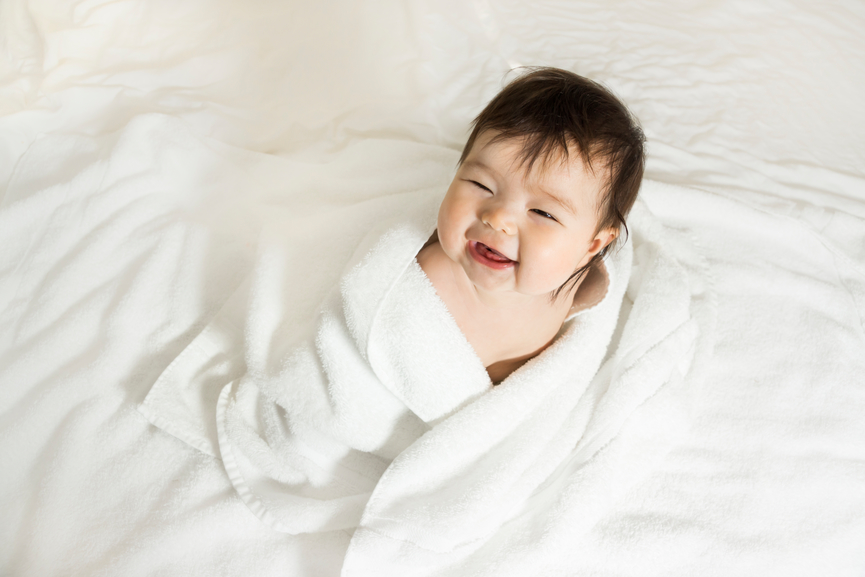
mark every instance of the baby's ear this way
{"type": "Point", "coordinates": [602, 239]}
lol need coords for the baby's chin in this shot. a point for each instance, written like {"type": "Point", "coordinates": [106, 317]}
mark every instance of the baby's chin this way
{"type": "Point", "coordinates": [496, 282]}
{"type": "Point", "coordinates": [486, 279]}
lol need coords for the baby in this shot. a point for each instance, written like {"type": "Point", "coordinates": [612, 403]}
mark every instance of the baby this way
{"type": "Point", "coordinates": [545, 181]}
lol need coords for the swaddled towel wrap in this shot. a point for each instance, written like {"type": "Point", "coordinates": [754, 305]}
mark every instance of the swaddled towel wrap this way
{"type": "Point", "coordinates": [378, 417]}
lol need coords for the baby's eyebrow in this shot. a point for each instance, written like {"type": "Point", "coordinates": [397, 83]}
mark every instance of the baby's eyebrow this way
{"type": "Point", "coordinates": [478, 164]}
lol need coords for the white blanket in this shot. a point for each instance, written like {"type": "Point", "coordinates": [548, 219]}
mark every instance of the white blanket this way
{"type": "Point", "coordinates": [382, 420]}
{"type": "Point", "coordinates": [142, 143]}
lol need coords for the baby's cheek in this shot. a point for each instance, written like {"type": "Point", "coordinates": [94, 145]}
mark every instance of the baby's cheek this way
{"type": "Point", "coordinates": [552, 271]}
{"type": "Point", "coordinates": [453, 219]}
{"type": "Point", "coordinates": [558, 257]}
{"type": "Point", "coordinates": [443, 224]}
{"type": "Point", "coordinates": [449, 213]}
{"type": "Point", "coordinates": [449, 239]}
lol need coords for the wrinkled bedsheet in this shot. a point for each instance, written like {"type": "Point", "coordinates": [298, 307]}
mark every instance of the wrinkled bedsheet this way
{"type": "Point", "coordinates": [143, 145]}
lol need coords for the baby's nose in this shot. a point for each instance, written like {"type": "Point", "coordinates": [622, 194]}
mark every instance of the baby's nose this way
{"type": "Point", "coordinates": [499, 217]}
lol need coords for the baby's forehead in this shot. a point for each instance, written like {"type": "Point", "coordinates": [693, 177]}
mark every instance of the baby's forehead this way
{"type": "Point", "coordinates": [535, 155]}
{"type": "Point", "coordinates": [531, 160]}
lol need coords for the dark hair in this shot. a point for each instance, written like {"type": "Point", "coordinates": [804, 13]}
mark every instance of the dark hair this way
{"type": "Point", "coordinates": [554, 112]}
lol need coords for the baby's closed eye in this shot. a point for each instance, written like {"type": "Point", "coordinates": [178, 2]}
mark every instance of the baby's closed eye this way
{"type": "Point", "coordinates": [479, 185]}
{"type": "Point", "coordinates": [544, 214]}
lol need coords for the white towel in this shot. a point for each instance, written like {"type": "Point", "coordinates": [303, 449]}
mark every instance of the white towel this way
{"type": "Point", "coordinates": [377, 417]}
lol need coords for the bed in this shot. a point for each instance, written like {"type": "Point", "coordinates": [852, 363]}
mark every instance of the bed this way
{"type": "Point", "coordinates": [144, 144]}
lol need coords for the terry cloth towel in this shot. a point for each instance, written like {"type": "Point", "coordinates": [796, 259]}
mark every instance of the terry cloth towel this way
{"type": "Point", "coordinates": [381, 420]}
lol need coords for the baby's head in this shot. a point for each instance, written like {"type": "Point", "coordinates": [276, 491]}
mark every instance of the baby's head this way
{"type": "Point", "coordinates": [545, 182]}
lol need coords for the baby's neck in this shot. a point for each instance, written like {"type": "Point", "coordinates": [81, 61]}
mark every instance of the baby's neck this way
{"type": "Point", "coordinates": [516, 326]}
{"type": "Point", "coordinates": [504, 329]}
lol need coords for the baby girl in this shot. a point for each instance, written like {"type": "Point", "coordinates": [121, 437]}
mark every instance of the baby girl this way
{"type": "Point", "coordinates": [371, 419]}
{"type": "Point", "coordinates": [546, 179]}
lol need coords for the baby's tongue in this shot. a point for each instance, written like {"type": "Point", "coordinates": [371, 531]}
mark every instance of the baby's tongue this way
{"type": "Point", "coordinates": [493, 255]}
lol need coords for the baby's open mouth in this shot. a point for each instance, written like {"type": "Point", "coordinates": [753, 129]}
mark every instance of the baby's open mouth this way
{"type": "Point", "coordinates": [489, 256]}
{"type": "Point", "coordinates": [492, 253]}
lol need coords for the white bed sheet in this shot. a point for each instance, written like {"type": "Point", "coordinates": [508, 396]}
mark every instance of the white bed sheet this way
{"type": "Point", "coordinates": [142, 143]}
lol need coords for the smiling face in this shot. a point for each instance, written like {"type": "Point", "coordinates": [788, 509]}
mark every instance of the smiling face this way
{"type": "Point", "coordinates": [516, 231]}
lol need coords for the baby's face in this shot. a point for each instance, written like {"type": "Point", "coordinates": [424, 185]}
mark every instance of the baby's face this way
{"type": "Point", "coordinates": [510, 230]}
